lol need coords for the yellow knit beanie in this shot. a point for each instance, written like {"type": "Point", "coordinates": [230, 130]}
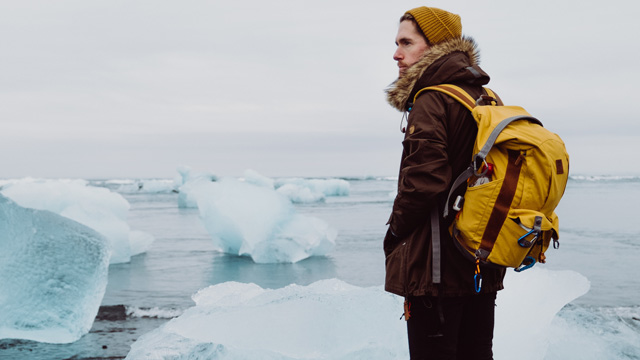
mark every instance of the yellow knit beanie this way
{"type": "Point", "coordinates": [436, 24]}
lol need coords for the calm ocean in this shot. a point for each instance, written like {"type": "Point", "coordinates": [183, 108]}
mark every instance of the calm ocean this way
{"type": "Point", "coordinates": [599, 239]}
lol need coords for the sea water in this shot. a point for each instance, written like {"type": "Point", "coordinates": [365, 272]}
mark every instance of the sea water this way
{"type": "Point", "coordinates": [599, 234]}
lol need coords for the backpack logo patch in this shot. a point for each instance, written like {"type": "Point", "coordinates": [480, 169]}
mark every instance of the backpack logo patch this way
{"type": "Point", "coordinates": [559, 167]}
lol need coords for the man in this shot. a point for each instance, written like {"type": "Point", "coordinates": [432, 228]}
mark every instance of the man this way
{"type": "Point", "coordinates": [445, 319]}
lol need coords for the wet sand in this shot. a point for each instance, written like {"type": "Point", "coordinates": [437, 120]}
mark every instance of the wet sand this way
{"type": "Point", "coordinates": [111, 338]}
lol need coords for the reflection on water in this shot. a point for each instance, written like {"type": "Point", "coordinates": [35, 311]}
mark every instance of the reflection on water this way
{"type": "Point", "coordinates": [243, 269]}
{"type": "Point", "coordinates": [156, 279]}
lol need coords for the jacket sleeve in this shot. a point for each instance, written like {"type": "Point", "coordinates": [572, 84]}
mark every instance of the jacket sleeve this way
{"type": "Point", "coordinates": [425, 172]}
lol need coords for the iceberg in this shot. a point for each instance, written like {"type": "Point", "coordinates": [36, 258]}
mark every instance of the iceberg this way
{"type": "Point", "coordinates": [297, 190]}
{"type": "Point", "coordinates": [53, 275]}
{"type": "Point", "coordinates": [254, 220]}
{"type": "Point", "coordinates": [300, 195]}
{"type": "Point", "coordinates": [255, 178]}
{"type": "Point", "coordinates": [328, 319]}
{"type": "Point", "coordinates": [188, 193]}
{"type": "Point", "coordinates": [140, 242]}
{"type": "Point", "coordinates": [95, 207]}
{"type": "Point", "coordinates": [189, 183]}
{"type": "Point", "coordinates": [327, 187]}
{"type": "Point", "coordinates": [527, 307]}
{"type": "Point", "coordinates": [331, 319]}
{"type": "Point", "coordinates": [145, 186]}
{"type": "Point", "coordinates": [300, 190]}
{"type": "Point", "coordinates": [187, 174]}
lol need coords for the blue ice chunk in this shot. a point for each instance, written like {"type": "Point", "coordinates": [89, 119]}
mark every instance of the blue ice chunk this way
{"type": "Point", "coordinates": [53, 275]}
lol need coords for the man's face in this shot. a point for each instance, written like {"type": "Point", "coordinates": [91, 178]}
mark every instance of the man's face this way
{"type": "Point", "coordinates": [411, 46]}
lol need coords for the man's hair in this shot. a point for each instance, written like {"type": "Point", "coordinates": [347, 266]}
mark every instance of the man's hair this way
{"type": "Point", "coordinates": [409, 17]}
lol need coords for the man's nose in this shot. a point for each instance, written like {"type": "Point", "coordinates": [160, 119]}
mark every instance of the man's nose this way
{"type": "Point", "coordinates": [397, 56]}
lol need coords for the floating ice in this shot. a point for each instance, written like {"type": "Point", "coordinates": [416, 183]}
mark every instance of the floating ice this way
{"type": "Point", "coordinates": [146, 186]}
{"type": "Point", "coordinates": [595, 333]}
{"type": "Point", "coordinates": [256, 221]}
{"type": "Point", "coordinates": [253, 177]}
{"type": "Point", "coordinates": [330, 319]}
{"type": "Point", "coordinates": [325, 320]}
{"type": "Point", "coordinates": [527, 306]}
{"type": "Point", "coordinates": [140, 242]}
{"type": "Point", "coordinates": [188, 193]}
{"type": "Point", "coordinates": [187, 174]}
{"type": "Point", "coordinates": [298, 194]}
{"type": "Point", "coordinates": [189, 184]}
{"type": "Point", "coordinates": [96, 207]}
{"type": "Point", "coordinates": [301, 190]}
{"type": "Point", "coordinates": [53, 275]}
{"type": "Point", "coordinates": [328, 187]}
{"type": "Point", "coordinates": [298, 190]}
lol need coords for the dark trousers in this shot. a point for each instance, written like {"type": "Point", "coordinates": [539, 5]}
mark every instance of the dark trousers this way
{"type": "Point", "coordinates": [451, 328]}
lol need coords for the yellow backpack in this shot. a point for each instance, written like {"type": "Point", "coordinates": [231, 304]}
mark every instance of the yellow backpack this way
{"type": "Point", "coordinates": [518, 174]}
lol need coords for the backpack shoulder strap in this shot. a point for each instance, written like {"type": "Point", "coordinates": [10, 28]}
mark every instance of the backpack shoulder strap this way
{"type": "Point", "coordinates": [465, 99]}
{"type": "Point", "coordinates": [459, 94]}
{"type": "Point", "coordinates": [493, 95]}
{"type": "Point", "coordinates": [454, 91]}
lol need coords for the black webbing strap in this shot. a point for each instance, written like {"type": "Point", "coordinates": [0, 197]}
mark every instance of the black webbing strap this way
{"type": "Point", "coordinates": [436, 251]}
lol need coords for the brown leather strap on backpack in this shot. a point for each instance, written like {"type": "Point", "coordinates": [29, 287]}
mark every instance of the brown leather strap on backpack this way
{"type": "Point", "coordinates": [503, 203]}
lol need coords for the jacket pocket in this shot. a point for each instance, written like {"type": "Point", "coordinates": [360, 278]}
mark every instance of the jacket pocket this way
{"type": "Point", "coordinates": [395, 266]}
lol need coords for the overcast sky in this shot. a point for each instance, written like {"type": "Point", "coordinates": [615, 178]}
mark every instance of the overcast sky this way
{"type": "Point", "coordinates": [103, 89]}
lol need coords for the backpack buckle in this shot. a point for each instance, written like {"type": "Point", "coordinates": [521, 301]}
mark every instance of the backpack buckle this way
{"type": "Point", "coordinates": [484, 100]}
{"type": "Point", "coordinates": [457, 205]}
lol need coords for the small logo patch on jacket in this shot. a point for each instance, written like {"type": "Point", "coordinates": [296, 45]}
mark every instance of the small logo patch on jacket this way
{"type": "Point", "coordinates": [412, 129]}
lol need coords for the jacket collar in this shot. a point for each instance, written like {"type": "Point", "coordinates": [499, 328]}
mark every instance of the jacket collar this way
{"type": "Point", "coordinates": [399, 92]}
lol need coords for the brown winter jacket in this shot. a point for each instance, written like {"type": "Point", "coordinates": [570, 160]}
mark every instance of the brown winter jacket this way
{"type": "Point", "coordinates": [438, 145]}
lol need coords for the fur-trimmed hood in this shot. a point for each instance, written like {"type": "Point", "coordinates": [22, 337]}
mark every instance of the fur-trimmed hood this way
{"type": "Point", "coordinates": [446, 62]}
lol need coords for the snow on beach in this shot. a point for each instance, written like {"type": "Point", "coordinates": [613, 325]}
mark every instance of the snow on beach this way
{"type": "Point", "coordinates": [331, 319]}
